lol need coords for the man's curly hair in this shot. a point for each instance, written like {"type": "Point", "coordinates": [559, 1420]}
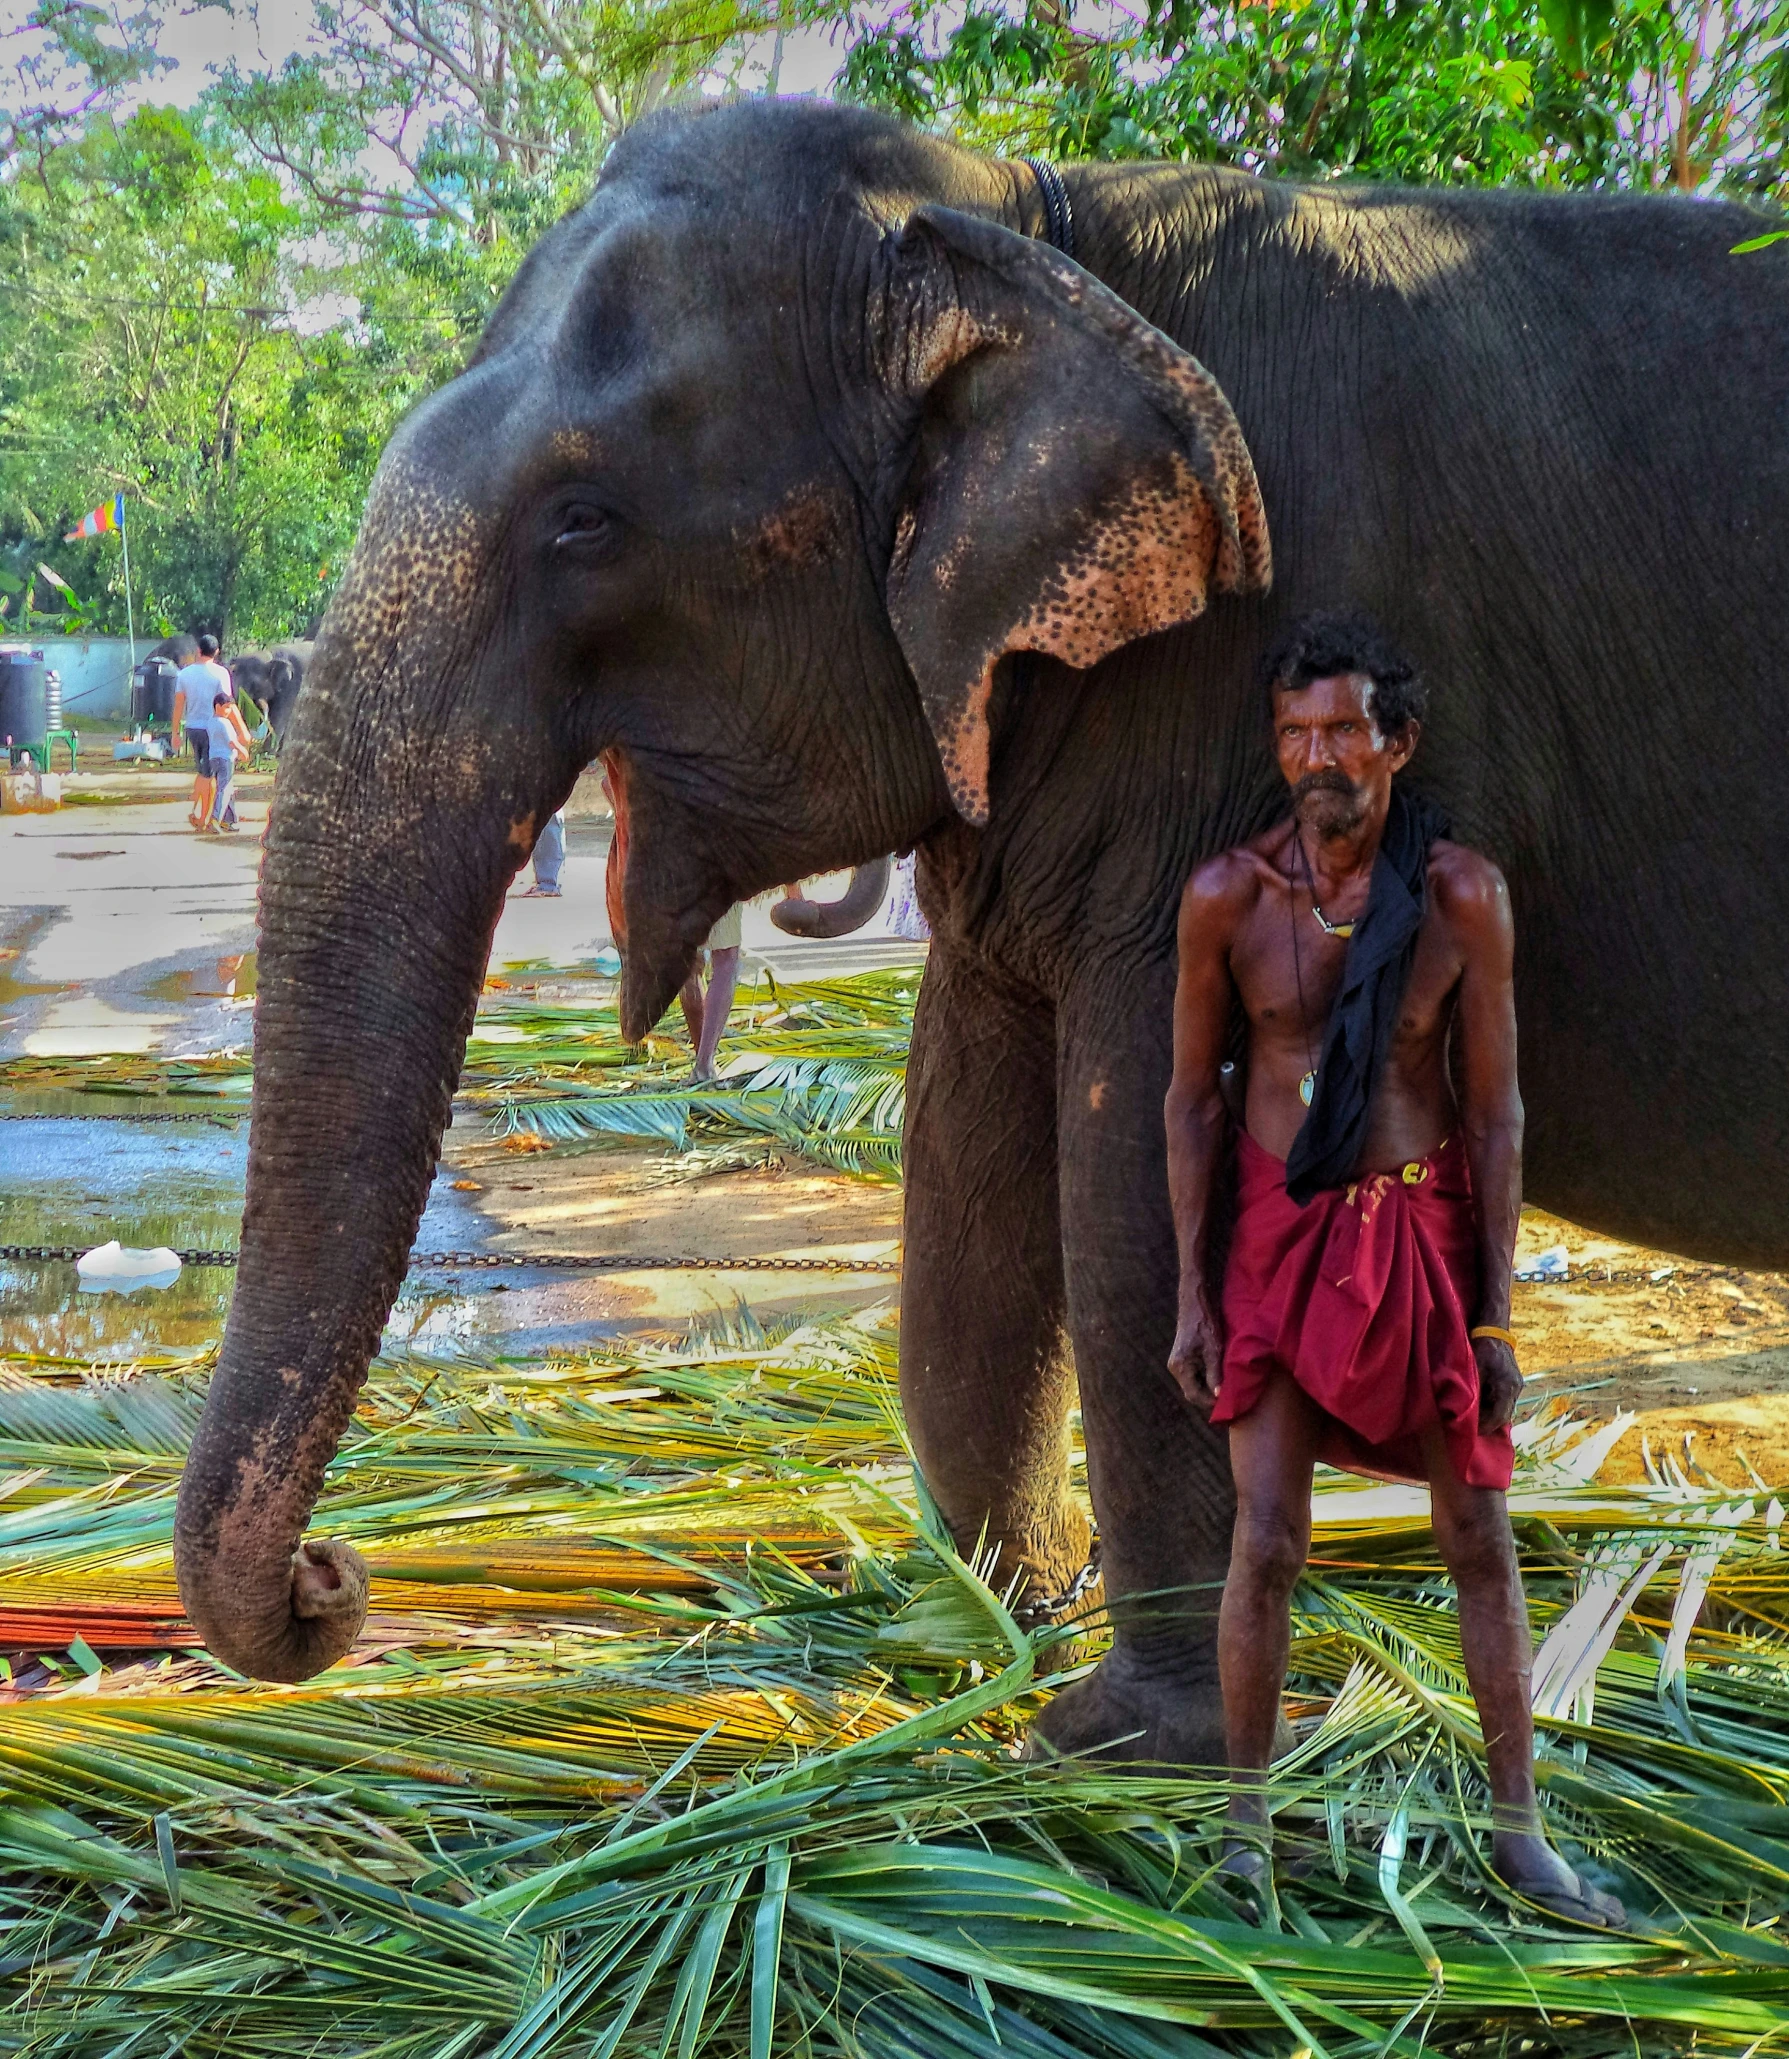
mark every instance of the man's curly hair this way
{"type": "Point", "coordinates": [1325, 645]}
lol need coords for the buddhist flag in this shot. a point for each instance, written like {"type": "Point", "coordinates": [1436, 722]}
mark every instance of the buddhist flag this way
{"type": "Point", "coordinates": [101, 522]}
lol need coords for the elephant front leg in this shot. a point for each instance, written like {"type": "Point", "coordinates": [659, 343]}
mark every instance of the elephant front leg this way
{"type": "Point", "coordinates": [1159, 1474]}
{"type": "Point", "coordinates": [984, 1378]}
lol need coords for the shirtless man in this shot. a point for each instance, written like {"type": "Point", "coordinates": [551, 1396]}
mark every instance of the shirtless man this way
{"type": "Point", "coordinates": [1364, 1315]}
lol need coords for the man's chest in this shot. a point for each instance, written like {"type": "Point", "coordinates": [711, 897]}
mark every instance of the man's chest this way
{"type": "Point", "coordinates": [1288, 970]}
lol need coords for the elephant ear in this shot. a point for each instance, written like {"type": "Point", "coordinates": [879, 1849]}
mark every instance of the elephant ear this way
{"type": "Point", "coordinates": [1078, 481]}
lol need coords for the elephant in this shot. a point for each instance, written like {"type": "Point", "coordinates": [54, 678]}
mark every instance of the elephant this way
{"type": "Point", "coordinates": [804, 467]}
{"type": "Point", "coordinates": [272, 679]}
{"type": "Point", "coordinates": [797, 916]}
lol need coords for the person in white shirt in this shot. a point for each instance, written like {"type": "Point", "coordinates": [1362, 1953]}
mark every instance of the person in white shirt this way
{"type": "Point", "coordinates": [196, 687]}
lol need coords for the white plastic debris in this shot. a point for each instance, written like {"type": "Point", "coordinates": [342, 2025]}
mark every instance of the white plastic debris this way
{"type": "Point", "coordinates": [1546, 1265]}
{"type": "Point", "coordinates": [116, 1268]}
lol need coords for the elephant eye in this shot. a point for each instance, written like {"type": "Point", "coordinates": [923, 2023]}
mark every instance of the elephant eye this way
{"type": "Point", "coordinates": [584, 527]}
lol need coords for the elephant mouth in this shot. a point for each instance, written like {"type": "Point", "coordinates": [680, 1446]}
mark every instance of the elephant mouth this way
{"type": "Point", "coordinates": [661, 950]}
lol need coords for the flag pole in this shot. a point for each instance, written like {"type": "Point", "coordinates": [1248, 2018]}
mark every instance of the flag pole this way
{"type": "Point", "coordinates": [130, 616]}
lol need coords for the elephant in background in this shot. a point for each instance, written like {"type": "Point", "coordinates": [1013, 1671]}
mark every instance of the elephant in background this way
{"type": "Point", "coordinates": [802, 469]}
{"type": "Point", "coordinates": [272, 679]}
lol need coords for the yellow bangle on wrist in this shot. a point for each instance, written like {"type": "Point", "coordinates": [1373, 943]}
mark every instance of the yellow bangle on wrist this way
{"type": "Point", "coordinates": [1491, 1330]}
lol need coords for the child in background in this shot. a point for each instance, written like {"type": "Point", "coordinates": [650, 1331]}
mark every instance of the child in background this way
{"type": "Point", "coordinates": [231, 711]}
{"type": "Point", "coordinates": [221, 737]}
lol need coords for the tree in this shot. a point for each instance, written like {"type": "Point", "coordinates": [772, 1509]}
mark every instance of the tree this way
{"type": "Point", "coordinates": [153, 338]}
{"type": "Point", "coordinates": [226, 312]}
{"type": "Point", "coordinates": [65, 66]}
{"type": "Point", "coordinates": [490, 118]}
{"type": "Point", "coordinates": [1574, 92]}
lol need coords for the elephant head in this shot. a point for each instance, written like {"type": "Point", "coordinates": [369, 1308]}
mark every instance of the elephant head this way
{"type": "Point", "coordinates": [248, 674]}
{"type": "Point", "coordinates": [770, 455]}
{"type": "Point", "coordinates": [797, 916]}
{"type": "Point", "coordinates": [285, 675]}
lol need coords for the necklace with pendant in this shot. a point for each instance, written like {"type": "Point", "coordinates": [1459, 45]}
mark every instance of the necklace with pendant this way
{"type": "Point", "coordinates": [1344, 930]}
{"type": "Point", "coordinates": [1307, 1087]}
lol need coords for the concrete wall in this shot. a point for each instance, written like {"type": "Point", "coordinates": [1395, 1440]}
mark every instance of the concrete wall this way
{"type": "Point", "coordinates": [95, 671]}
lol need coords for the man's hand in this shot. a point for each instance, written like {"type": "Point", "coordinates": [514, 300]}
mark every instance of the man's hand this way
{"type": "Point", "coordinates": [1197, 1360]}
{"type": "Point", "coordinates": [1499, 1382]}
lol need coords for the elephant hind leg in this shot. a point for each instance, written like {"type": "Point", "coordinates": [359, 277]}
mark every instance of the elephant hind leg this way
{"type": "Point", "coordinates": [985, 1378]}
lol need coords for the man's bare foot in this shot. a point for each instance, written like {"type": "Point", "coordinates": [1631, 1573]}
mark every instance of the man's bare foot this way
{"type": "Point", "coordinates": [1528, 1866]}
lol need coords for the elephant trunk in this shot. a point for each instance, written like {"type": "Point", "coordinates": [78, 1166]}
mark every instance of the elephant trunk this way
{"type": "Point", "coordinates": [853, 908]}
{"type": "Point", "coordinates": [392, 841]}
{"type": "Point", "coordinates": [361, 1023]}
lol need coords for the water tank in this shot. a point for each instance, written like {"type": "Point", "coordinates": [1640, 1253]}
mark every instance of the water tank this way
{"type": "Point", "coordinates": [152, 692]}
{"type": "Point", "coordinates": [52, 700]}
{"type": "Point", "coordinates": [22, 709]}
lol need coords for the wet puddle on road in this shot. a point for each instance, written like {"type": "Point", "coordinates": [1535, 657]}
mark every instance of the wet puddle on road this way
{"type": "Point", "coordinates": [231, 978]}
{"type": "Point", "coordinates": [68, 1179]}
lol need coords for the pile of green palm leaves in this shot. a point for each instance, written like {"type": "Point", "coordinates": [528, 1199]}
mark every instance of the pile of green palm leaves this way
{"type": "Point", "coordinates": [678, 1727]}
{"type": "Point", "coordinates": [818, 1071]}
{"type": "Point", "coordinates": [815, 1071]}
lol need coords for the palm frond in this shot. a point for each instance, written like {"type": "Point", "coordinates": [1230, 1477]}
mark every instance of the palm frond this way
{"type": "Point", "coordinates": [679, 1727]}
{"type": "Point", "coordinates": [819, 1071]}
{"type": "Point", "coordinates": [675, 1717]}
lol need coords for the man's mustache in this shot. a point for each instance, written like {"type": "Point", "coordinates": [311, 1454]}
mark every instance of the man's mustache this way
{"type": "Point", "coordinates": [1322, 783]}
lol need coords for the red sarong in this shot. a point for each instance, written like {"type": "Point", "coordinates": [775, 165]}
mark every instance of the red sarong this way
{"type": "Point", "coordinates": [1361, 1295]}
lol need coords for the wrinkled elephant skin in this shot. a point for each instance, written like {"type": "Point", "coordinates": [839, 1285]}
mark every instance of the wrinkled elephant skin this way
{"type": "Point", "coordinates": [800, 471]}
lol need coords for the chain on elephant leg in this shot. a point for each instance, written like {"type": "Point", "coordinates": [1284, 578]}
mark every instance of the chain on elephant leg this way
{"type": "Point", "coordinates": [1044, 1561]}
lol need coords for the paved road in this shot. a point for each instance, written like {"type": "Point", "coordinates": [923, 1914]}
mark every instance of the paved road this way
{"type": "Point", "coordinates": [122, 931]}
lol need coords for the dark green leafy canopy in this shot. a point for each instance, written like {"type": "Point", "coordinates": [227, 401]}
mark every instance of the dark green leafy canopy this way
{"type": "Point", "coordinates": [1572, 92]}
{"type": "Point", "coordinates": [165, 330]}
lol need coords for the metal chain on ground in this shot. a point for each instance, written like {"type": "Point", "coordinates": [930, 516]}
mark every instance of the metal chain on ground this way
{"type": "Point", "coordinates": [120, 1115]}
{"type": "Point", "coordinates": [619, 1262]}
{"type": "Point", "coordinates": [515, 1261]}
{"type": "Point", "coordinates": [520, 1261]}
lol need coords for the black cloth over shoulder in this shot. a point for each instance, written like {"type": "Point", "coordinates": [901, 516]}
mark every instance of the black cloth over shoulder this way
{"type": "Point", "coordinates": [1374, 975]}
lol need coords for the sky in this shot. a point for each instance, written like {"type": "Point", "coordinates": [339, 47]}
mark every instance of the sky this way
{"type": "Point", "coordinates": [197, 42]}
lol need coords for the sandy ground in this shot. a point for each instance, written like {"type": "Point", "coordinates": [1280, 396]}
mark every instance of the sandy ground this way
{"type": "Point", "coordinates": [120, 931]}
{"type": "Point", "coordinates": [1701, 1354]}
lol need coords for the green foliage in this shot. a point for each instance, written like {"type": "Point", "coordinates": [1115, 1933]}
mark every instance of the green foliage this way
{"type": "Point", "coordinates": [679, 1727]}
{"type": "Point", "coordinates": [492, 118]}
{"type": "Point", "coordinates": [152, 337]}
{"type": "Point", "coordinates": [66, 58]}
{"type": "Point", "coordinates": [1574, 92]}
{"type": "Point", "coordinates": [226, 312]}
{"type": "Point", "coordinates": [818, 1071]}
